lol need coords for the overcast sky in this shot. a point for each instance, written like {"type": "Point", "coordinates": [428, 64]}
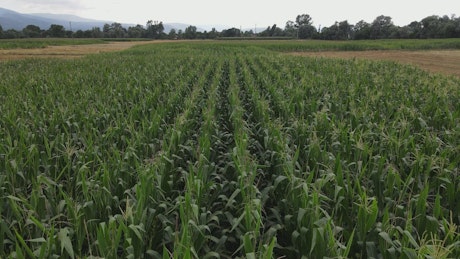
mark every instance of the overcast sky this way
{"type": "Point", "coordinates": [240, 13]}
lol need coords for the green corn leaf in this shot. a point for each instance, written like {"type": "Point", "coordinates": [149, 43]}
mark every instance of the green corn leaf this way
{"type": "Point", "coordinates": [28, 251]}
{"type": "Point", "coordinates": [66, 243]}
{"type": "Point", "coordinates": [37, 240]}
{"type": "Point", "coordinates": [349, 244]}
{"type": "Point", "coordinates": [386, 237]}
{"type": "Point", "coordinates": [373, 211]}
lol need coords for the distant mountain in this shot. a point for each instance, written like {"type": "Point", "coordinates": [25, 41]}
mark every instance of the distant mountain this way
{"type": "Point", "coordinates": [13, 20]}
{"type": "Point", "coordinates": [65, 17]}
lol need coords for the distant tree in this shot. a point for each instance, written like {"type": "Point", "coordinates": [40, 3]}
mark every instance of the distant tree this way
{"type": "Point", "coordinates": [106, 29]}
{"type": "Point", "coordinates": [306, 32]}
{"type": "Point", "coordinates": [414, 30]}
{"type": "Point", "coordinates": [290, 29]}
{"type": "Point", "coordinates": [172, 34]}
{"type": "Point", "coordinates": [430, 26]}
{"type": "Point", "coordinates": [79, 34]}
{"type": "Point", "coordinates": [453, 28]}
{"type": "Point", "coordinates": [330, 33]}
{"type": "Point", "coordinates": [273, 31]}
{"type": "Point", "coordinates": [154, 29]}
{"type": "Point", "coordinates": [248, 34]}
{"type": "Point", "coordinates": [190, 32]}
{"type": "Point", "coordinates": [136, 31]}
{"type": "Point", "coordinates": [32, 31]}
{"type": "Point", "coordinates": [344, 30]}
{"type": "Point", "coordinates": [88, 34]}
{"type": "Point", "coordinates": [12, 34]}
{"type": "Point", "coordinates": [440, 27]}
{"type": "Point", "coordinates": [213, 34]}
{"type": "Point", "coordinates": [303, 20]}
{"type": "Point", "coordinates": [338, 31]}
{"type": "Point", "coordinates": [96, 32]}
{"type": "Point", "coordinates": [305, 29]}
{"type": "Point", "coordinates": [232, 32]}
{"type": "Point", "coordinates": [57, 31]}
{"type": "Point", "coordinates": [381, 27]}
{"type": "Point", "coordinates": [362, 30]}
{"type": "Point", "coordinates": [180, 34]}
{"type": "Point", "coordinates": [114, 30]}
{"type": "Point", "coordinates": [201, 35]}
{"type": "Point", "coordinates": [401, 33]}
{"type": "Point", "coordinates": [118, 30]}
{"type": "Point", "coordinates": [449, 27]}
{"type": "Point", "coordinates": [265, 33]}
{"type": "Point", "coordinates": [1, 31]}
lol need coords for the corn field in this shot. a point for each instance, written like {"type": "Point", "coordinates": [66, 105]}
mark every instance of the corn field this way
{"type": "Point", "coordinates": [227, 150]}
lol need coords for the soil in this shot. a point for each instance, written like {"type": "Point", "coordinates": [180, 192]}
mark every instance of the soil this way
{"type": "Point", "coordinates": [70, 51]}
{"type": "Point", "coordinates": [439, 61]}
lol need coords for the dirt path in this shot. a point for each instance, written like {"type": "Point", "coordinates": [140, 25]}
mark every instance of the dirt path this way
{"type": "Point", "coordinates": [71, 51]}
{"type": "Point", "coordinates": [439, 61]}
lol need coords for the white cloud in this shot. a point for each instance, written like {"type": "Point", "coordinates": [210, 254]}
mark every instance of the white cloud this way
{"type": "Point", "coordinates": [44, 6]}
{"type": "Point", "coordinates": [240, 12]}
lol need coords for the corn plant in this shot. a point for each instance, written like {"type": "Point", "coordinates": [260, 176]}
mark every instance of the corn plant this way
{"type": "Point", "coordinates": [227, 150]}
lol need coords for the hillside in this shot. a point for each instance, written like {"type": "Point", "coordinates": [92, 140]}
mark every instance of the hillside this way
{"type": "Point", "coordinates": [10, 19]}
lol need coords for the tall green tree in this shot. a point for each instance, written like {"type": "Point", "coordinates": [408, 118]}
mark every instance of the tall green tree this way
{"type": "Point", "coordinates": [304, 25]}
{"type": "Point", "coordinates": [155, 29]}
{"type": "Point", "coordinates": [114, 30]}
{"type": "Point", "coordinates": [190, 32]}
{"type": "Point", "coordinates": [57, 31]}
{"type": "Point", "coordinates": [414, 29]}
{"type": "Point", "coordinates": [382, 27]}
{"type": "Point", "coordinates": [290, 29]}
{"type": "Point", "coordinates": [213, 34]}
{"type": "Point", "coordinates": [303, 20]}
{"type": "Point", "coordinates": [344, 30]}
{"type": "Point", "coordinates": [1, 31]}
{"type": "Point", "coordinates": [32, 31]}
{"type": "Point", "coordinates": [232, 32]}
{"type": "Point", "coordinates": [172, 34]}
{"type": "Point", "coordinates": [136, 31]}
{"type": "Point", "coordinates": [431, 26]}
{"type": "Point", "coordinates": [362, 30]}
{"type": "Point", "coordinates": [180, 34]}
{"type": "Point", "coordinates": [96, 32]}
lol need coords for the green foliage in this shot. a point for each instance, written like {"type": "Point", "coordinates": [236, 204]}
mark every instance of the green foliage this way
{"type": "Point", "coordinates": [319, 45]}
{"type": "Point", "coordinates": [227, 149]}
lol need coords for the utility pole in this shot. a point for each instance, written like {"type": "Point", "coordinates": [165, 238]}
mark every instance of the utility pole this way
{"type": "Point", "coordinates": [70, 24]}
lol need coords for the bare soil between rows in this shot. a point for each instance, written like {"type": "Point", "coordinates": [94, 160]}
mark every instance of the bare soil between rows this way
{"type": "Point", "coordinates": [438, 61]}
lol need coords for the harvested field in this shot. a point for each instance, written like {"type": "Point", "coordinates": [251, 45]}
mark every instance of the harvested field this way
{"type": "Point", "coordinates": [70, 51]}
{"type": "Point", "coordinates": [438, 61]}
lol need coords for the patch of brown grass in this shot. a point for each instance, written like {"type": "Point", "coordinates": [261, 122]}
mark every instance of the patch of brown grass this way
{"type": "Point", "coordinates": [70, 51]}
{"type": "Point", "coordinates": [438, 61]}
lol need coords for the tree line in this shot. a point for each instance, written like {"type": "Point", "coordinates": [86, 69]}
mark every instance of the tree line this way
{"type": "Point", "coordinates": [302, 28]}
